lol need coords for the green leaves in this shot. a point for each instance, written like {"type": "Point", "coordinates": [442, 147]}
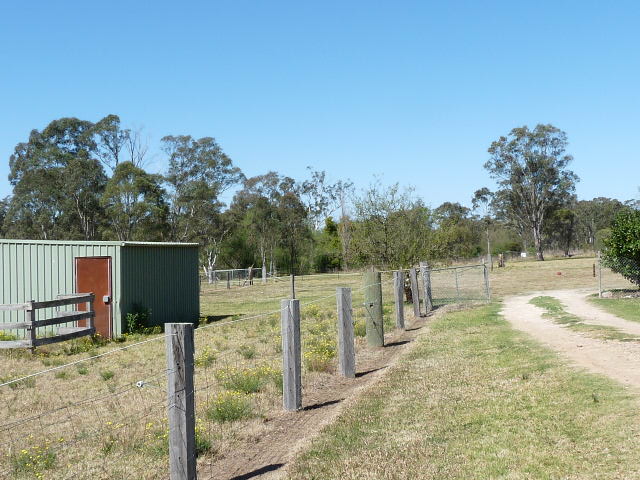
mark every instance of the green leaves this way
{"type": "Point", "coordinates": [622, 248]}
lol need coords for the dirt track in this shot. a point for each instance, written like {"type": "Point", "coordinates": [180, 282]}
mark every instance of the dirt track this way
{"type": "Point", "coordinates": [266, 456]}
{"type": "Point", "coordinates": [617, 360]}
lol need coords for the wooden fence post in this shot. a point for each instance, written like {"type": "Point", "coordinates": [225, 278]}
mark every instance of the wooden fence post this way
{"type": "Point", "coordinates": [291, 355]}
{"type": "Point", "coordinates": [415, 292]}
{"type": "Point", "coordinates": [398, 292]}
{"type": "Point", "coordinates": [91, 319]}
{"type": "Point", "coordinates": [599, 275]}
{"type": "Point", "coordinates": [373, 308]}
{"type": "Point", "coordinates": [181, 401]}
{"type": "Point", "coordinates": [425, 271]}
{"type": "Point", "coordinates": [346, 347]}
{"type": "Point", "coordinates": [31, 312]}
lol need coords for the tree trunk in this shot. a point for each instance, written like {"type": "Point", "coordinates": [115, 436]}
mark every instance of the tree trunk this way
{"type": "Point", "coordinates": [537, 240]}
{"type": "Point", "coordinates": [489, 259]}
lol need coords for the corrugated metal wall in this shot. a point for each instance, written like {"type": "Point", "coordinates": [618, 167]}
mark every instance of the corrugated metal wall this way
{"type": "Point", "coordinates": [37, 270]}
{"type": "Point", "coordinates": [163, 280]}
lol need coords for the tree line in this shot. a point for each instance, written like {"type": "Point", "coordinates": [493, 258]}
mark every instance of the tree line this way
{"type": "Point", "coordinates": [79, 180]}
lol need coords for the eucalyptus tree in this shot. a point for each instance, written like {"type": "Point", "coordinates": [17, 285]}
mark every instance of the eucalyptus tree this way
{"type": "Point", "coordinates": [57, 181]}
{"type": "Point", "coordinates": [199, 172]}
{"type": "Point", "coordinates": [134, 204]}
{"type": "Point", "coordinates": [530, 167]}
{"type": "Point", "coordinates": [483, 200]}
{"type": "Point", "coordinates": [595, 215]}
{"type": "Point", "coordinates": [270, 210]}
{"type": "Point", "coordinates": [4, 206]}
{"type": "Point", "coordinates": [391, 227]}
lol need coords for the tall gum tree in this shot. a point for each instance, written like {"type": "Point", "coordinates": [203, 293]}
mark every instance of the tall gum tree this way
{"type": "Point", "coordinates": [530, 167]}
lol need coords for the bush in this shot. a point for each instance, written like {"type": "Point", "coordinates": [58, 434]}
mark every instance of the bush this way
{"type": "Point", "coordinates": [206, 357]}
{"type": "Point", "coordinates": [320, 354]}
{"type": "Point", "coordinates": [34, 460]}
{"type": "Point", "coordinates": [245, 380]}
{"type": "Point", "coordinates": [139, 322]}
{"type": "Point", "coordinates": [360, 328]}
{"type": "Point", "coordinates": [229, 407]}
{"type": "Point", "coordinates": [622, 247]}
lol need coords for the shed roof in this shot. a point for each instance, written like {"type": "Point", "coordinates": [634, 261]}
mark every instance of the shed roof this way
{"type": "Point", "coordinates": [86, 242]}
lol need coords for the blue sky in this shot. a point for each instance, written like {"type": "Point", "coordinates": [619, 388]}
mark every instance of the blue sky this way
{"type": "Point", "coordinates": [412, 91]}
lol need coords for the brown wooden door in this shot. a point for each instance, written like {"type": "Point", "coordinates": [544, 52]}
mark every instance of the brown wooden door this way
{"type": "Point", "coordinates": [93, 275]}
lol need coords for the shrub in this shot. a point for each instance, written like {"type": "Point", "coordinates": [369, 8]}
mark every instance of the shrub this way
{"type": "Point", "coordinates": [320, 354]}
{"type": "Point", "coordinates": [34, 460]}
{"type": "Point", "coordinates": [622, 247]}
{"type": "Point", "coordinates": [139, 321]}
{"type": "Point", "coordinates": [106, 375]}
{"type": "Point", "coordinates": [247, 351]}
{"type": "Point", "coordinates": [245, 380]}
{"type": "Point", "coordinates": [206, 357]}
{"type": "Point", "coordinates": [229, 406]}
{"type": "Point", "coordinates": [360, 328]}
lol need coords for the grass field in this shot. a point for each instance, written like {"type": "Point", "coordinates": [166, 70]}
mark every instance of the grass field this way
{"type": "Point", "coordinates": [118, 400]}
{"type": "Point", "coordinates": [627, 308]}
{"type": "Point", "coordinates": [475, 399]}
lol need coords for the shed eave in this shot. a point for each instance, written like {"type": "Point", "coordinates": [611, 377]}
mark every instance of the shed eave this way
{"type": "Point", "coordinates": [97, 242]}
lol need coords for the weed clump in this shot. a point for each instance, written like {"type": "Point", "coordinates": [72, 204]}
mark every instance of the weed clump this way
{"type": "Point", "coordinates": [230, 406]}
{"type": "Point", "coordinates": [245, 380]}
{"type": "Point", "coordinates": [320, 354]}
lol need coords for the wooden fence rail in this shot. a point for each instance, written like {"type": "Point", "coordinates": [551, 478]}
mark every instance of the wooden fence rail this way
{"type": "Point", "coordinates": [65, 333]}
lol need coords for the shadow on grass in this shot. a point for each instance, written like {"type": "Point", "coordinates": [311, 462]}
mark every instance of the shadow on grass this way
{"type": "Point", "coordinates": [362, 374]}
{"type": "Point", "coordinates": [321, 405]}
{"type": "Point", "coordinates": [260, 471]}
{"type": "Point", "coordinates": [397, 344]}
{"type": "Point", "coordinates": [207, 319]}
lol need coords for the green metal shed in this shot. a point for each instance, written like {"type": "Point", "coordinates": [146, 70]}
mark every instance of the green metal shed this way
{"type": "Point", "coordinates": [159, 277]}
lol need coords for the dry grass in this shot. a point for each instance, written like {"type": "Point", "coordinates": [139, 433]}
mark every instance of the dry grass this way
{"type": "Point", "coordinates": [94, 422]}
{"type": "Point", "coordinates": [476, 399]}
{"type": "Point", "coordinates": [558, 274]}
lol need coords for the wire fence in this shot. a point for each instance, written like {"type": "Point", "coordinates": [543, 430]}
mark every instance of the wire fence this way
{"type": "Point", "coordinates": [90, 410]}
{"type": "Point", "coordinates": [617, 276]}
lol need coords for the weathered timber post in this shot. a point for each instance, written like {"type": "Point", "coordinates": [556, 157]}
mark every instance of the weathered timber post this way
{"type": "Point", "coordinates": [487, 289]}
{"type": "Point", "coordinates": [291, 355]}
{"type": "Point", "coordinates": [228, 280]}
{"type": "Point", "coordinates": [346, 347]}
{"type": "Point", "coordinates": [31, 313]}
{"type": "Point", "coordinates": [373, 307]}
{"type": "Point", "coordinates": [425, 271]}
{"type": "Point", "coordinates": [92, 318]}
{"type": "Point", "coordinates": [398, 292]}
{"type": "Point", "coordinates": [293, 286]}
{"type": "Point", "coordinates": [599, 275]}
{"type": "Point", "coordinates": [181, 401]}
{"type": "Point", "coordinates": [415, 292]}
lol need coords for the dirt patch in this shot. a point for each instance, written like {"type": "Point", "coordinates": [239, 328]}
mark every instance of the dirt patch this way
{"type": "Point", "coordinates": [622, 293]}
{"type": "Point", "coordinates": [577, 303]}
{"type": "Point", "coordinates": [266, 453]}
{"type": "Point", "coordinates": [617, 360]}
